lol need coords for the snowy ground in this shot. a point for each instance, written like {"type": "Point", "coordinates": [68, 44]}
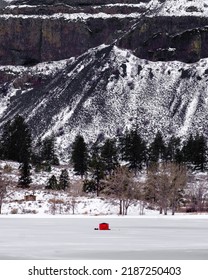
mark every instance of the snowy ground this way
{"type": "Point", "coordinates": [46, 236]}
{"type": "Point", "coordinates": [129, 238]}
{"type": "Point", "coordinates": [72, 201]}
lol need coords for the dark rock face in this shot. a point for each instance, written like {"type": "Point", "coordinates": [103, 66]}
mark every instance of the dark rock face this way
{"type": "Point", "coordinates": [169, 38]}
{"type": "Point", "coordinates": [20, 41]}
{"type": "Point", "coordinates": [29, 35]}
{"type": "Point", "coordinates": [26, 41]}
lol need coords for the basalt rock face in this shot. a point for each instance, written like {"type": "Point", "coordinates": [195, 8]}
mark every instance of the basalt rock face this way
{"type": "Point", "coordinates": [47, 39]}
{"type": "Point", "coordinates": [169, 38]}
{"type": "Point", "coordinates": [54, 30]}
{"type": "Point", "coordinates": [16, 48]}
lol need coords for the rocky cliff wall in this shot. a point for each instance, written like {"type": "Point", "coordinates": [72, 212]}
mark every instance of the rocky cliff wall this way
{"type": "Point", "coordinates": [29, 35]}
{"type": "Point", "coordinates": [169, 38]}
{"type": "Point", "coordinates": [26, 41]}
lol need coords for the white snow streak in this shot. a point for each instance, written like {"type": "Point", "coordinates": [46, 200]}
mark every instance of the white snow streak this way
{"type": "Point", "coordinates": [71, 17]}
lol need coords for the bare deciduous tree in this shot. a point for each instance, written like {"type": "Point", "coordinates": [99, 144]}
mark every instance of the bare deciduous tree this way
{"type": "Point", "coordinates": [140, 196]}
{"type": "Point", "coordinates": [165, 182]}
{"type": "Point", "coordinates": [73, 204]}
{"type": "Point", "coordinates": [122, 186]}
{"type": "Point", "coordinates": [198, 194]}
{"type": "Point", "coordinates": [4, 193]}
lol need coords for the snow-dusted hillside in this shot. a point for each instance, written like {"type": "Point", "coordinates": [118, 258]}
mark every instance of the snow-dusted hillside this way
{"type": "Point", "coordinates": [105, 91]}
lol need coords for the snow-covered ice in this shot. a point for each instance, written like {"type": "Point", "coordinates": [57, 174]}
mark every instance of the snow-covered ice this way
{"type": "Point", "coordinates": [129, 238]}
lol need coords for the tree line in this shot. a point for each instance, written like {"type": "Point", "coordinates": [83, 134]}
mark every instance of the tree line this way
{"type": "Point", "coordinates": [16, 144]}
{"type": "Point", "coordinates": [101, 158]}
{"type": "Point", "coordinates": [99, 162]}
{"type": "Point", "coordinates": [130, 148]}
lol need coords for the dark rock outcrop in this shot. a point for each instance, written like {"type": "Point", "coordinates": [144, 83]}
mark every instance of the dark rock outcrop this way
{"type": "Point", "coordinates": [26, 41]}
{"type": "Point", "coordinates": [169, 38]}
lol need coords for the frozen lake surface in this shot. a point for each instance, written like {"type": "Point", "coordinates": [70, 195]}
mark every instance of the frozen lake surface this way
{"type": "Point", "coordinates": [129, 238]}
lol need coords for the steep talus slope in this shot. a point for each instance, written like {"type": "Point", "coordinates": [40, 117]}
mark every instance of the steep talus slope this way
{"type": "Point", "coordinates": [108, 89]}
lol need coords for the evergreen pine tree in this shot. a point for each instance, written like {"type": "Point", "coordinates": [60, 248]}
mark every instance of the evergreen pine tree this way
{"type": "Point", "coordinates": [157, 148]}
{"type": "Point", "coordinates": [64, 180]}
{"type": "Point", "coordinates": [25, 175]}
{"type": "Point", "coordinates": [97, 168]}
{"type": "Point", "coordinates": [79, 156]}
{"type": "Point", "coordinates": [52, 183]}
{"type": "Point", "coordinates": [135, 150]}
{"type": "Point", "coordinates": [21, 140]}
{"type": "Point", "coordinates": [200, 152]}
{"type": "Point", "coordinates": [179, 156]}
{"type": "Point", "coordinates": [48, 154]}
{"type": "Point", "coordinates": [188, 150]}
{"type": "Point", "coordinates": [122, 145]}
{"type": "Point", "coordinates": [6, 141]}
{"type": "Point", "coordinates": [173, 150]}
{"type": "Point", "coordinates": [195, 152]}
{"type": "Point", "coordinates": [109, 156]}
{"type": "Point", "coordinates": [16, 140]}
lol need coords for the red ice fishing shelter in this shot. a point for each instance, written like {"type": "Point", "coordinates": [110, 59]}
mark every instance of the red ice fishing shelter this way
{"type": "Point", "coordinates": [104, 226]}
